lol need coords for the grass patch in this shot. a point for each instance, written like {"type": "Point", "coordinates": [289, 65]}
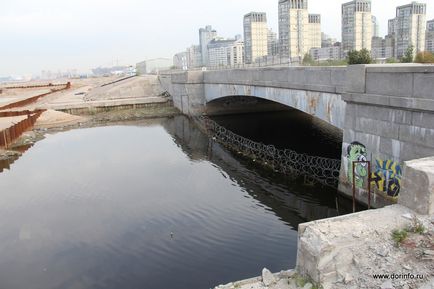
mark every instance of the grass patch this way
{"type": "Point", "coordinates": [301, 281]}
{"type": "Point", "coordinates": [399, 236]}
{"type": "Point", "coordinates": [416, 226]}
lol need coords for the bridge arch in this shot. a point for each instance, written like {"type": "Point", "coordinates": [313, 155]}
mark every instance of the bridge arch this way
{"type": "Point", "coordinates": [325, 106]}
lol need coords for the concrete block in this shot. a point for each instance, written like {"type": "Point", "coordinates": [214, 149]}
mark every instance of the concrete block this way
{"type": "Point", "coordinates": [417, 135]}
{"type": "Point", "coordinates": [400, 68]}
{"type": "Point", "coordinates": [326, 248]}
{"type": "Point", "coordinates": [411, 151]}
{"type": "Point", "coordinates": [356, 79]}
{"type": "Point", "coordinates": [366, 99]}
{"type": "Point", "coordinates": [350, 116]}
{"type": "Point", "coordinates": [349, 137]}
{"type": "Point", "coordinates": [377, 127]}
{"type": "Point", "coordinates": [195, 77]}
{"type": "Point", "coordinates": [371, 141]}
{"type": "Point", "coordinates": [390, 149]}
{"type": "Point", "coordinates": [417, 187]}
{"type": "Point", "coordinates": [424, 85]}
{"type": "Point", "coordinates": [422, 104]}
{"type": "Point", "coordinates": [338, 76]}
{"type": "Point", "coordinates": [423, 119]}
{"type": "Point", "coordinates": [384, 113]}
{"type": "Point", "coordinates": [393, 84]}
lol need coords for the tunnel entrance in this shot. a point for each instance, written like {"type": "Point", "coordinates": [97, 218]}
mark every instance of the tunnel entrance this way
{"type": "Point", "coordinates": [275, 124]}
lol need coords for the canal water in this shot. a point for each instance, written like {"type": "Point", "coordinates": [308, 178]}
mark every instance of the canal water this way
{"type": "Point", "coordinates": [152, 204]}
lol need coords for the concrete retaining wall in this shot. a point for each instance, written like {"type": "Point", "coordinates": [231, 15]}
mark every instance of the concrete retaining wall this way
{"type": "Point", "coordinates": [386, 111]}
{"type": "Point", "coordinates": [418, 186]}
{"type": "Point", "coordinates": [390, 112]}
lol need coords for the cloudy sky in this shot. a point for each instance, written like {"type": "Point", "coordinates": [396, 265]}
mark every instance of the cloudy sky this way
{"type": "Point", "coordinates": [81, 34]}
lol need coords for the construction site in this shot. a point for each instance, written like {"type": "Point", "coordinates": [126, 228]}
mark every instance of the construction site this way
{"type": "Point", "coordinates": [36, 105]}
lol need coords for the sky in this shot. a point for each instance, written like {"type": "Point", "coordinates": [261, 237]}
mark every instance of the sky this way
{"type": "Point", "coordinates": [83, 34]}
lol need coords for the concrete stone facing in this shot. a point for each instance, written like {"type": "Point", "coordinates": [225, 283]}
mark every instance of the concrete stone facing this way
{"type": "Point", "coordinates": [418, 186]}
{"type": "Point", "coordinates": [337, 257]}
{"type": "Point", "coordinates": [392, 115]}
{"type": "Point", "coordinates": [389, 109]}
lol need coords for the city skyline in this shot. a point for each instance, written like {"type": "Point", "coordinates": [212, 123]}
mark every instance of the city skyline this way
{"type": "Point", "coordinates": [58, 36]}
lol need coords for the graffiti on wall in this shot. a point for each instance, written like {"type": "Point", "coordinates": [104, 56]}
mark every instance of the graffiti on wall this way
{"type": "Point", "coordinates": [387, 177]}
{"type": "Point", "coordinates": [357, 152]}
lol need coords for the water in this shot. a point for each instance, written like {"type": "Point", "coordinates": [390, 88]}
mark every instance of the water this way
{"type": "Point", "coordinates": [288, 129]}
{"type": "Point", "coordinates": [152, 204]}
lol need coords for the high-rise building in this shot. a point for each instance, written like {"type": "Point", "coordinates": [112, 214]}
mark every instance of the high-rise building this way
{"type": "Point", "coordinates": [383, 48]}
{"type": "Point", "coordinates": [236, 55]}
{"type": "Point", "coordinates": [356, 25]}
{"type": "Point", "coordinates": [194, 56]}
{"type": "Point", "coordinates": [375, 27]}
{"type": "Point", "coordinates": [273, 43]}
{"type": "Point", "coordinates": [225, 52]}
{"type": "Point", "coordinates": [314, 31]}
{"type": "Point", "coordinates": [391, 27]}
{"type": "Point", "coordinates": [410, 25]}
{"type": "Point", "coordinates": [430, 36]}
{"type": "Point", "coordinates": [326, 53]}
{"type": "Point", "coordinates": [298, 31]}
{"type": "Point", "coordinates": [205, 36]}
{"type": "Point", "coordinates": [180, 60]}
{"type": "Point", "coordinates": [255, 36]}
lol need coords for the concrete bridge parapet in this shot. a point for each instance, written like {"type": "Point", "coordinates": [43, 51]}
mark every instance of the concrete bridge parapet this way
{"type": "Point", "coordinates": [389, 119]}
{"type": "Point", "coordinates": [386, 112]}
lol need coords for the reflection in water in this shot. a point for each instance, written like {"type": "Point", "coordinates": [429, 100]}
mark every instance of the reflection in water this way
{"type": "Point", "coordinates": [289, 129]}
{"type": "Point", "coordinates": [95, 208]}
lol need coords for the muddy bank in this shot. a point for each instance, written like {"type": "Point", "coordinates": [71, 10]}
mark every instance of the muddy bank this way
{"type": "Point", "coordinates": [54, 123]}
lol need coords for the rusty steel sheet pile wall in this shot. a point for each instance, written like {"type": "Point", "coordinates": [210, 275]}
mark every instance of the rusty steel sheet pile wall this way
{"type": "Point", "coordinates": [10, 134]}
{"type": "Point", "coordinates": [34, 98]}
{"type": "Point", "coordinates": [68, 84]}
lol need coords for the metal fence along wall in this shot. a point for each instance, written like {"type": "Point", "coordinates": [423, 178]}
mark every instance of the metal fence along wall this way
{"type": "Point", "coordinates": [323, 170]}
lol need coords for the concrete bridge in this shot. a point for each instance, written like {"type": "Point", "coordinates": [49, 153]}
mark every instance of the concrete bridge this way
{"type": "Point", "coordinates": [386, 112]}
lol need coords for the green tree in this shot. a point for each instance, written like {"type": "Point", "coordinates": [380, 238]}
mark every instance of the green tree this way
{"type": "Point", "coordinates": [308, 60]}
{"type": "Point", "coordinates": [424, 57]}
{"type": "Point", "coordinates": [408, 56]}
{"type": "Point", "coordinates": [359, 57]}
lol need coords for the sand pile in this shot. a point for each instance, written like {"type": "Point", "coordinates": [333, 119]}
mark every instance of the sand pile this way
{"type": "Point", "coordinates": [52, 118]}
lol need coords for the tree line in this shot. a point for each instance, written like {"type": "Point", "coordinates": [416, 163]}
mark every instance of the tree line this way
{"type": "Point", "coordinates": [363, 56]}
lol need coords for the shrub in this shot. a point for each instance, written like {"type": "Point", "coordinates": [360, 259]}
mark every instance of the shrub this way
{"type": "Point", "coordinates": [424, 57]}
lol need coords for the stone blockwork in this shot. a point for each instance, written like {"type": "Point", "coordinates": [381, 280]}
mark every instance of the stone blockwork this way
{"type": "Point", "coordinates": [316, 91]}
{"type": "Point", "coordinates": [346, 251]}
{"type": "Point", "coordinates": [385, 111]}
{"type": "Point", "coordinates": [390, 114]}
{"type": "Point", "coordinates": [418, 186]}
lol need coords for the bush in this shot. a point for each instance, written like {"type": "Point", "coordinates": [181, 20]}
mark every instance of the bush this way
{"type": "Point", "coordinates": [359, 57]}
{"type": "Point", "coordinates": [424, 57]}
{"type": "Point", "coordinates": [408, 56]}
{"type": "Point", "coordinates": [308, 60]}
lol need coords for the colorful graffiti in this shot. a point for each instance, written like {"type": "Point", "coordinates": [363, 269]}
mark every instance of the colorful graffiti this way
{"type": "Point", "coordinates": [357, 152]}
{"type": "Point", "coordinates": [387, 177]}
